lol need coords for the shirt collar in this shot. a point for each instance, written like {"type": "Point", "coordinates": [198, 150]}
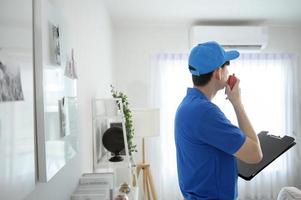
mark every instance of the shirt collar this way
{"type": "Point", "coordinates": [196, 92]}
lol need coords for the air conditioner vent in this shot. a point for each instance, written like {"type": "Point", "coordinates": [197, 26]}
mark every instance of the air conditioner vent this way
{"type": "Point", "coordinates": [243, 47]}
{"type": "Point", "coordinates": [249, 38]}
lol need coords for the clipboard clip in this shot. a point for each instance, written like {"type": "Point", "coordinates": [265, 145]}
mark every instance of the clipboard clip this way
{"type": "Point", "coordinates": [276, 137]}
{"type": "Point", "coordinates": [273, 136]}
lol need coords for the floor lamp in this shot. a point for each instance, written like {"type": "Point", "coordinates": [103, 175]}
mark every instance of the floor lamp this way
{"type": "Point", "coordinates": [146, 124]}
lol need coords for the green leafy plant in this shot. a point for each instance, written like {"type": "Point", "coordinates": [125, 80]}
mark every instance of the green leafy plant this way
{"type": "Point", "coordinates": [128, 119]}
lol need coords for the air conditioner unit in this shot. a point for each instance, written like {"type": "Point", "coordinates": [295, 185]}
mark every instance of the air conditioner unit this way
{"type": "Point", "coordinates": [243, 38]}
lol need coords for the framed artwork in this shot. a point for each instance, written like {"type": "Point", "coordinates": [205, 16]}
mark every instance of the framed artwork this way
{"type": "Point", "coordinates": [70, 68]}
{"type": "Point", "coordinates": [62, 114]}
{"type": "Point", "coordinates": [56, 102]}
{"type": "Point", "coordinates": [10, 82]}
{"type": "Point", "coordinates": [54, 44]}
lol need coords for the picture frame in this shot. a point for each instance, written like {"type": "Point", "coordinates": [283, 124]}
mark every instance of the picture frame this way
{"type": "Point", "coordinates": [55, 94]}
{"type": "Point", "coordinates": [54, 44]}
{"type": "Point", "coordinates": [10, 82]}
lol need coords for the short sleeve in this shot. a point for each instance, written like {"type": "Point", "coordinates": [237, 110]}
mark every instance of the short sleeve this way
{"type": "Point", "coordinates": [216, 130]}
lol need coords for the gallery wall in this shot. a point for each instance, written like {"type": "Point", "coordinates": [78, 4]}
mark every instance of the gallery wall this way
{"type": "Point", "coordinates": [87, 29]}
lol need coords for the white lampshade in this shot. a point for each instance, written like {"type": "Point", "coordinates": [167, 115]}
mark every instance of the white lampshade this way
{"type": "Point", "coordinates": [146, 122]}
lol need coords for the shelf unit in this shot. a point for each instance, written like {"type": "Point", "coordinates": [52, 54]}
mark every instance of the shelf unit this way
{"type": "Point", "coordinates": [104, 113]}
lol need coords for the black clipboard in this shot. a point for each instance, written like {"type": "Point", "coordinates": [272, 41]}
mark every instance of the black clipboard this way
{"type": "Point", "coordinates": [272, 147]}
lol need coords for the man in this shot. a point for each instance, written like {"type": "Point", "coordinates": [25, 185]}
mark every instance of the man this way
{"type": "Point", "coordinates": [207, 143]}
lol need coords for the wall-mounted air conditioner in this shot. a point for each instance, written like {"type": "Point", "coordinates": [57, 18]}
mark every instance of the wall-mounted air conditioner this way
{"type": "Point", "coordinates": [249, 38]}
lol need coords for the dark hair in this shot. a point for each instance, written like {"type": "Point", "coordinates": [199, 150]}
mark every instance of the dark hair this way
{"type": "Point", "coordinates": [203, 79]}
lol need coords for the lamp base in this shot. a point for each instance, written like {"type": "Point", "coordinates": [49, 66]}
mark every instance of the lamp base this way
{"type": "Point", "coordinates": [116, 158]}
{"type": "Point", "coordinates": [148, 184]}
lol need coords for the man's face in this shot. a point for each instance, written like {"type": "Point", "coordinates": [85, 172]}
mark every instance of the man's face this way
{"type": "Point", "coordinates": [224, 75]}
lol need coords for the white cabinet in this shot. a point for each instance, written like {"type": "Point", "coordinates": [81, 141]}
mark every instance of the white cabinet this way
{"type": "Point", "coordinates": [100, 186]}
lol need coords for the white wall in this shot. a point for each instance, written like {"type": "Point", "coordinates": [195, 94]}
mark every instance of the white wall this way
{"type": "Point", "coordinates": [134, 44]}
{"type": "Point", "coordinates": [88, 30]}
{"type": "Point", "coordinates": [17, 163]}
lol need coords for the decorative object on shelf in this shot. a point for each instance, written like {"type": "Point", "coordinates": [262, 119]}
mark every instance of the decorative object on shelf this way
{"type": "Point", "coordinates": [113, 141]}
{"type": "Point", "coordinates": [128, 119]}
{"type": "Point", "coordinates": [146, 124]}
{"type": "Point", "coordinates": [125, 188]}
{"type": "Point", "coordinates": [106, 114]}
{"type": "Point", "coordinates": [121, 197]}
{"type": "Point", "coordinates": [70, 69]}
{"type": "Point", "coordinates": [123, 191]}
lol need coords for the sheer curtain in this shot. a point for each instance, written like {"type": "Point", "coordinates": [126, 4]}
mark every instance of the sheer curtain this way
{"type": "Point", "coordinates": [169, 81]}
{"type": "Point", "coordinates": [269, 93]}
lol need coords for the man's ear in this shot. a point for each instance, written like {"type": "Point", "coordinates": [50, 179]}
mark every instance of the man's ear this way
{"type": "Point", "coordinates": [218, 74]}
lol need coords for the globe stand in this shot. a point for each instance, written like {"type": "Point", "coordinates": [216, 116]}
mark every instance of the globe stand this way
{"type": "Point", "coordinates": [116, 158]}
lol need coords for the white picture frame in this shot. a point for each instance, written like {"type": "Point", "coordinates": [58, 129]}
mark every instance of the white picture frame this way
{"type": "Point", "coordinates": [56, 97]}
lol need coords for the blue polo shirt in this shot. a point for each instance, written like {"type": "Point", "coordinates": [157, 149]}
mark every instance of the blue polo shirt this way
{"type": "Point", "coordinates": [205, 143]}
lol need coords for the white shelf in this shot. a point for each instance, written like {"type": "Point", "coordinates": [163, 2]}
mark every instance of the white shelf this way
{"type": "Point", "coordinates": [105, 112]}
{"type": "Point", "coordinates": [104, 163]}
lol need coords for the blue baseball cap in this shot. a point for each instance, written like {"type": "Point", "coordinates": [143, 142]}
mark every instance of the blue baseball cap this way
{"type": "Point", "coordinates": [207, 57]}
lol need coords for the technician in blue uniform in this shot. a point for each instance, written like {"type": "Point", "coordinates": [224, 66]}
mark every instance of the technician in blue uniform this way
{"type": "Point", "coordinates": [207, 143]}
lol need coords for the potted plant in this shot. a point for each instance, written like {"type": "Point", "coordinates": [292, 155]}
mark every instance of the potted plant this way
{"type": "Point", "coordinates": [128, 119]}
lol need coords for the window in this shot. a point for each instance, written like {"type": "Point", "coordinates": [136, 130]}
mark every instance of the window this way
{"type": "Point", "coordinates": [267, 92]}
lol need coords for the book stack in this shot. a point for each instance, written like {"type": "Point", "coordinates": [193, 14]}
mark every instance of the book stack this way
{"type": "Point", "coordinates": [95, 186]}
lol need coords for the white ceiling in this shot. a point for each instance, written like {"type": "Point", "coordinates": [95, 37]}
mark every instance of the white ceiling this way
{"type": "Point", "coordinates": [204, 11]}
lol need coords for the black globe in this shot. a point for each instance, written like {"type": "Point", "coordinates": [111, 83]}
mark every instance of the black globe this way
{"type": "Point", "coordinates": [113, 141]}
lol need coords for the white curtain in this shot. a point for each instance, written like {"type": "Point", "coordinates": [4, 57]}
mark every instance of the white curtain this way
{"type": "Point", "coordinates": [269, 93]}
{"type": "Point", "coordinates": [169, 81]}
